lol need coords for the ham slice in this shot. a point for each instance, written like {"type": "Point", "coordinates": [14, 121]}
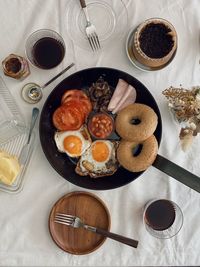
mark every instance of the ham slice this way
{"type": "Point", "coordinates": [120, 90]}
{"type": "Point", "coordinates": [128, 98]}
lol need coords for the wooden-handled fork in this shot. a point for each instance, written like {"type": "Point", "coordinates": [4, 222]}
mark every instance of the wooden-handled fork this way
{"type": "Point", "coordinates": [76, 222]}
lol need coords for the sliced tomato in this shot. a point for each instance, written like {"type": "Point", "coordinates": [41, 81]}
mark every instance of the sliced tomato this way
{"type": "Point", "coordinates": [75, 104]}
{"type": "Point", "coordinates": [67, 118]}
{"type": "Point", "coordinates": [74, 109]}
{"type": "Point", "coordinates": [83, 106]}
{"type": "Point", "coordinates": [74, 93]}
{"type": "Point", "coordinates": [78, 97]}
{"type": "Point", "coordinates": [87, 105]}
{"type": "Point", "coordinates": [75, 118]}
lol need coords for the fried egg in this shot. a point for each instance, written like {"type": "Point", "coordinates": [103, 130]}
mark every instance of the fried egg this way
{"type": "Point", "coordinates": [98, 160]}
{"type": "Point", "coordinates": [73, 143]}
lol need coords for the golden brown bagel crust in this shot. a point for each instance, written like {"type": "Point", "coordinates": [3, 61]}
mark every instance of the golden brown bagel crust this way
{"type": "Point", "coordinates": [143, 160]}
{"type": "Point", "coordinates": [141, 131]}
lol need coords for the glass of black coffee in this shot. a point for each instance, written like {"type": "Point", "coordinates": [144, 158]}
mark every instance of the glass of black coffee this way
{"type": "Point", "coordinates": [162, 218]}
{"type": "Point", "coordinates": [45, 49]}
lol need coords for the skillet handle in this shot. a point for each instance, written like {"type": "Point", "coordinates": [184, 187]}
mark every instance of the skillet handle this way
{"type": "Point", "coordinates": [177, 172]}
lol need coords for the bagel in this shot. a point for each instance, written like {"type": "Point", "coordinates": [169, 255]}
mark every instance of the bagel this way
{"type": "Point", "coordinates": [141, 161]}
{"type": "Point", "coordinates": [146, 117]}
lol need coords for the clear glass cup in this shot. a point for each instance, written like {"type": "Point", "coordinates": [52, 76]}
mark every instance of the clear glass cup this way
{"type": "Point", "coordinates": [162, 218]}
{"type": "Point", "coordinates": [45, 49]}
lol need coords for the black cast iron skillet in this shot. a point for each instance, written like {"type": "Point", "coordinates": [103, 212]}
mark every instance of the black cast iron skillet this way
{"type": "Point", "coordinates": [66, 168]}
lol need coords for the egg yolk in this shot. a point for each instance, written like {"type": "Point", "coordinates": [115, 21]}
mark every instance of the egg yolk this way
{"type": "Point", "coordinates": [100, 151]}
{"type": "Point", "coordinates": [73, 145]}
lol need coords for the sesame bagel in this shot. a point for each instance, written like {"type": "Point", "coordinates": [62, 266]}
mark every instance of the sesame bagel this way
{"type": "Point", "coordinates": [146, 118]}
{"type": "Point", "coordinates": [141, 161]}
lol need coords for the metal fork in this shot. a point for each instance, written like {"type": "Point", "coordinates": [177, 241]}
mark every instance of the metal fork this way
{"type": "Point", "coordinates": [76, 222]}
{"type": "Point", "coordinates": [90, 29]}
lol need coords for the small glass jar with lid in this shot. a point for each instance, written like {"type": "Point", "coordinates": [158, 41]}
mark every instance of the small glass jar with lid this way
{"type": "Point", "coordinates": [16, 67]}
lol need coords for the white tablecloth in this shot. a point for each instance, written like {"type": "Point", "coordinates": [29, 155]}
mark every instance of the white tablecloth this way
{"type": "Point", "coordinates": [24, 235]}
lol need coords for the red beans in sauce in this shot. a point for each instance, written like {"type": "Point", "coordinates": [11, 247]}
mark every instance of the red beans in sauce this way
{"type": "Point", "coordinates": [101, 125]}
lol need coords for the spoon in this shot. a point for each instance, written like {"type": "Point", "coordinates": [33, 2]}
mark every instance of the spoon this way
{"type": "Point", "coordinates": [25, 149]}
{"type": "Point", "coordinates": [32, 92]}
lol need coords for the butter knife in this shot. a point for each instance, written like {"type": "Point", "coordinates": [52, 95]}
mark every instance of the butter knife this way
{"type": "Point", "coordinates": [25, 150]}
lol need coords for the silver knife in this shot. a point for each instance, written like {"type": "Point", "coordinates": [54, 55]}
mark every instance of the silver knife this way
{"type": "Point", "coordinates": [25, 150]}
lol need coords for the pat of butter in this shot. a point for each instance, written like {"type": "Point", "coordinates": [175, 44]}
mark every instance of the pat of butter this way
{"type": "Point", "coordinates": [9, 168]}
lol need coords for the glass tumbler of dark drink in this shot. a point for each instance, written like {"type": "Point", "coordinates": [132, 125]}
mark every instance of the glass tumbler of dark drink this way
{"type": "Point", "coordinates": [162, 218]}
{"type": "Point", "coordinates": [45, 49]}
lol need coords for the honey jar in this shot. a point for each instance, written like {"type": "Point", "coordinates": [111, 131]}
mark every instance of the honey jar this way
{"type": "Point", "coordinates": [16, 67]}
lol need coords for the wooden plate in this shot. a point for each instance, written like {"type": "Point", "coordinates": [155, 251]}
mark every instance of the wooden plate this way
{"type": "Point", "coordinates": [91, 210]}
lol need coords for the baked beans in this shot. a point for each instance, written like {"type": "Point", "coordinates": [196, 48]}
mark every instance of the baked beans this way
{"type": "Point", "coordinates": [101, 125]}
